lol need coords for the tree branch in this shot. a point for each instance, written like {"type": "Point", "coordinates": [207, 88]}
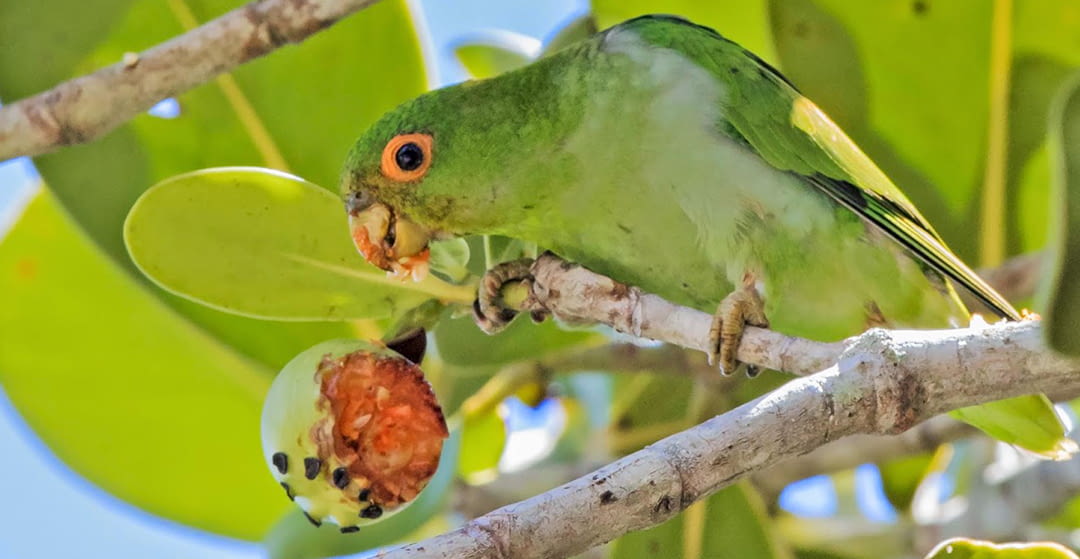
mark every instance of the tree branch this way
{"type": "Point", "coordinates": [576, 294]}
{"type": "Point", "coordinates": [882, 383]}
{"type": "Point", "coordinates": [82, 109]}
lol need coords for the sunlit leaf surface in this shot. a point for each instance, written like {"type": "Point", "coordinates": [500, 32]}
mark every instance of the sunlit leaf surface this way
{"type": "Point", "coordinates": [124, 390]}
{"type": "Point", "coordinates": [265, 244]}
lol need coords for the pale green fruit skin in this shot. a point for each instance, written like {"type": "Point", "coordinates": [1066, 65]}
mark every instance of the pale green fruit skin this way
{"type": "Point", "coordinates": [289, 412]}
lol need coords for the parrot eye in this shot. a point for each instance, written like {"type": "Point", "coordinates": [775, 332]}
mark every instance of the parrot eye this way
{"type": "Point", "coordinates": [407, 157]}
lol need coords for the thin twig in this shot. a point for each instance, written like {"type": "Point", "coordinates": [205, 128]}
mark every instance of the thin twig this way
{"type": "Point", "coordinates": [85, 108]}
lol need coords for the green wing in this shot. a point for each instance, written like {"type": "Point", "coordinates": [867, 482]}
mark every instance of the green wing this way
{"type": "Point", "coordinates": [792, 133]}
{"type": "Point", "coordinates": [765, 110]}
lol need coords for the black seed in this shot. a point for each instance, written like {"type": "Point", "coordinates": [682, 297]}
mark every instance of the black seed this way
{"type": "Point", "coordinates": [372, 511]}
{"type": "Point", "coordinates": [409, 157]}
{"type": "Point", "coordinates": [313, 522]}
{"type": "Point", "coordinates": [364, 494]}
{"type": "Point", "coordinates": [349, 529]}
{"type": "Point", "coordinates": [281, 462]}
{"type": "Point", "coordinates": [312, 467]}
{"type": "Point", "coordinates": [341, 478]}
{"type": "Point", "coordinates": [288, 491]}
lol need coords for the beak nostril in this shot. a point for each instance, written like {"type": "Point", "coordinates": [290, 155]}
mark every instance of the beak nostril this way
{"type": "Point", "coordinates": [357, 201]}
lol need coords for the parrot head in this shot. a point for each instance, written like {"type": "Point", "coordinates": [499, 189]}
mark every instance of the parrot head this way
{"type": "Point", "coordinates": [387, 237]}
{"type": "Point", "coordinates": [402, 185]}
{"type": "Point", "coordinates": [473, 158]}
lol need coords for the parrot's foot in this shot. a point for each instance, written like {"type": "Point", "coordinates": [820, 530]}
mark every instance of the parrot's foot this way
{"type": "Point", "coordinates": [490, 311]}
{"type": "Point", "coordinates": [741, 307]}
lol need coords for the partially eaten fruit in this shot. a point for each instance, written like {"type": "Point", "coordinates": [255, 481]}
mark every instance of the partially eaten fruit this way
{"type": "Point", "coordinates": [352, 432]}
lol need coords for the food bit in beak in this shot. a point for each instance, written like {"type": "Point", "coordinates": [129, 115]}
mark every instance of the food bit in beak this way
{"type": "Point", "coordinates": [396, 245]}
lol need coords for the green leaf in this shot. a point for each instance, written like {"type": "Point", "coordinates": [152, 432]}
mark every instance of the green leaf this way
{"type": "Point", "coordinates": [920, 110]}
{"type": "Point", "coordinates": [646, 408]}
{"type": "Point", "coordinates": [280, 90]}
{"type": "Point", "coordinates": [460, 342]}
{"type": "Point", "coordinates": [450, 258]}
{"type": "Point", "coordinates": [1044, 55]}
{"type": "Point", "coordinates": [578, 29]}
{"type": "Point", "coordinates": [1060, 291]}
{"type": "Point", "coordinates": [265, 244]}
{"type": "Point", "coordinates": [295, 538]}
{"type": "Point", "coordinates": [495, 52]}
{"type": "Point", "coordinates": [745, 22]}
{"type": "Point", "coordinates": [125, 391]}
{"type": "Point", "coordinates": [1036, 80]}
{"type": "Point", "coordinates": [278, 108]}
{"type": "Point", "coordinates": [732, 523]}
{"type": "Point", "coordinates": [900, 478]}
{"type": "Point", "coordinates": [963, 548]}
{"type": "Point", "coordinates": [483, 440]}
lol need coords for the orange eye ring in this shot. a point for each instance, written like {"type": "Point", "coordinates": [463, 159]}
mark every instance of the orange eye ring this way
{"type": "Point", "coordinates": [407, 157]}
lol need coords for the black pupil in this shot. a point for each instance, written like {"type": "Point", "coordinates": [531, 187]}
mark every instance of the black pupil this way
{"type": "Point", "coordinates": [409, 157]}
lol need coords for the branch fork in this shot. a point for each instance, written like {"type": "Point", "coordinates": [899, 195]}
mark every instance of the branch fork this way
{"type": "Point", "coordinates": [880, 382]}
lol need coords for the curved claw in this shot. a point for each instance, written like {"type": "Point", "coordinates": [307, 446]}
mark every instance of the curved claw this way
{"type": "Point", "coordinates": [740, 308]}
{"type": "Point", "coordinates": [489, 311]}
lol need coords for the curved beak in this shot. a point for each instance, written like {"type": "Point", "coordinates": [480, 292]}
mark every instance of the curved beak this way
{"type": "Point", "coordinates": [386, 240]}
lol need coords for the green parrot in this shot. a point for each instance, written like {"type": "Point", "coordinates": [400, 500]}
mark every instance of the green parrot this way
{"type": "Point", "coordinates": [665, 156]}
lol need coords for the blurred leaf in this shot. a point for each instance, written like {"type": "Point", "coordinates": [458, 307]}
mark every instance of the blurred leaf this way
{"type": "Point", "coordinates": [1036, 79]}
{"type": "Point", "coordinates": [1060, 291]}
{"type": "Point", "coordinates": [99, 182]}
{"type": "Point", "coordinates": [576, 434]}
{"type": "Point", "coordinates": [745, 22]}
{"type": "Point", "coordinates": [809, 553]}
{"type": "Point", "coordinates": [423, 317]}
{"type": "Point", "coordinates": [921, 111]}
{"type": "Point", "coordinates": [731, 523]}
{"type": "Point", "coordinates": [494, 52]}
{"type": "Point", "coordinates": [908, 81]}
{"type": "Point", "coordinates": [295, 538]}
{"type": "Point", "coordinates": [461, 342]}
{"type": "Point", "coordinates": [900, 478]}
{"type": "Point", "coordinates": [261, 243]}
{"type": "Point", "coordinates": [963, 548]}
{"type": "Point", "coordinates": [1069, 517]}
{"type": "Point", "coordinates": [124, 390]}
{"type": "Point", "coordinates": [265, 109]}
{"type": "Point", "coordinates": [646, 408]}
{"type": "Point", "coordinates": [471, 357]}
{"type": "Point", "coordinates": [532, 394]}
{"type": "Point", "coordinates": [483, 440]}
{"type": "Point", "coordinates": [1046, 50]}
{"type": "Point", "coordinates": [578, 29]}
